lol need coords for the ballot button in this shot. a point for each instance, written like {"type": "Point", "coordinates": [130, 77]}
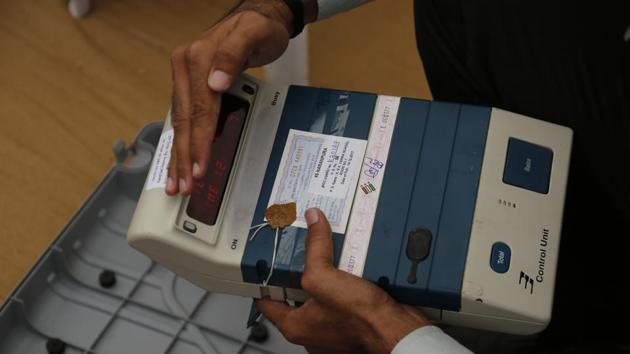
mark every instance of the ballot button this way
{"type": "Point", "coordinates": [500, 257]}
{"type": "Point", "coordinates": [528, 166]}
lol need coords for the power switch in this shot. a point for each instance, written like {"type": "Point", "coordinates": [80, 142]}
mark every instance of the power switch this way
{"type": "Point", "coordinates": [190, 227]}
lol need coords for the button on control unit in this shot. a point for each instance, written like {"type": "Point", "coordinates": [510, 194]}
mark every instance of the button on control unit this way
{"type": "Point", "coordinates": [190, 227]}
{"type": "Point", "coordinates": [500, 257]}
{"type": "Point", "coordinates": [528, 166]}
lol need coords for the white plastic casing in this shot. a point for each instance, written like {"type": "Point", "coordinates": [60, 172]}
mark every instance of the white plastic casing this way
{"type": "Point", "coordinates": [215, 263]}
{"type": "Point", "coordinates": [521, 219]}
{"type": "Point", "coordinates": [490, 300]}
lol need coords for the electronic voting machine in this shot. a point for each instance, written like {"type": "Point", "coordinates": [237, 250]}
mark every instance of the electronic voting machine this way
{"type": "Point", "coordinates": [451, 207]}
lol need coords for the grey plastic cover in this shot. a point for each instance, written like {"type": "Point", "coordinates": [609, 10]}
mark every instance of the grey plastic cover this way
{"type": "Point", "coordinates": [92, 293]}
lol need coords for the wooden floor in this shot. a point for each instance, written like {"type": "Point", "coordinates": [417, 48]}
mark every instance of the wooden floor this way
{"type": "Point", "coordinates": [69, 88]}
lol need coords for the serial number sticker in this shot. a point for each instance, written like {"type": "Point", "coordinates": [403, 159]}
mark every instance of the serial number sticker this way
{"type": "Point", "coordinates": [357, 241]}
{"type": "Point", "coordinates": [319, 171]}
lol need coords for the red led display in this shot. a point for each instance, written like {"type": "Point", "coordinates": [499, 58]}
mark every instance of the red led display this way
{"type": "Point", "coordinates": [207, 195]}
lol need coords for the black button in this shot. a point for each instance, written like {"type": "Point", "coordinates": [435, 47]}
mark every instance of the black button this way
{"type": "Point", "coordinates": [383, 282]}
{"type": "Point", "coordinates": [107, 279]}
{"type": "Point", "coordinates": [55, 346]}
{"type": "Point", "coordinates": [248, 89]}
{"type": "Point", "coordinates": [190, 227]}
{"type": "Point", "coordinates": [259, 333]}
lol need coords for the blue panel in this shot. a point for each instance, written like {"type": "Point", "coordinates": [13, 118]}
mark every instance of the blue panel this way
{"type": "Point", "coordinates": [427, 196]}
{"type": "Point", "coordinates": [500, 256]}
{"type": "Point", "coordinates": [389, 223]}
{"type": "Point", "coordinates": [431, 181]}
{"type": "Point", "coordinates": [309, 109]}
{"type": "Point", "coordinates": [528, 166]}
{"type": "Point", "coordinates": [451, 244]}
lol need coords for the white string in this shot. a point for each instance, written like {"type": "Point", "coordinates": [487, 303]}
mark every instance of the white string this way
{"type": "Point", "coordinates": [262, 223]}
{"type": "Point", "coordinates": [259, 227]}
{"type": "Point", "coordinates": [275, 247]}
{"type": "Point", "coordinates": [273, 258]}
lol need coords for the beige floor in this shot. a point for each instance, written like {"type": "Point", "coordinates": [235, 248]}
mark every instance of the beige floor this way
{"type": "Point", "coordinates": [69, 89]}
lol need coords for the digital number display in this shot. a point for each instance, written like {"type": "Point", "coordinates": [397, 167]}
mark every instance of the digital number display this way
{"type": "Point", "coordinates": [208, 192]}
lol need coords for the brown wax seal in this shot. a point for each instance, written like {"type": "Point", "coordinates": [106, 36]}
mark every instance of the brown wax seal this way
{"type": "Point", "coordinates": [281, 215]}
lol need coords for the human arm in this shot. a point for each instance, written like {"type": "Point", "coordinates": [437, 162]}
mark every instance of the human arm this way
{"type": "Point", "coordinates": [254, 33]}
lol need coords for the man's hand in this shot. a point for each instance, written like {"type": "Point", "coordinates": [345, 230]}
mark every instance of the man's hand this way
{"type": "Point", "coordinates": [254, 34]}
{"type": "Point", "coordinates": [345, 313]}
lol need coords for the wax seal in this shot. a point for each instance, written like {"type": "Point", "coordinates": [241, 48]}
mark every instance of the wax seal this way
{"type": "Point", "coordinates": [281, 215]}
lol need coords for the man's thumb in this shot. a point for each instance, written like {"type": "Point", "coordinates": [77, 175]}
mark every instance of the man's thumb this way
{"type": "Point", "coordinates": [319, 245]}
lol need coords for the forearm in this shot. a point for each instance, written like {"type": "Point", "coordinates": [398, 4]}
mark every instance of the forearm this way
{"type": "Point", "coordinates": [391, 323]}
{"type": "Point", "coordinates": [272, 9]}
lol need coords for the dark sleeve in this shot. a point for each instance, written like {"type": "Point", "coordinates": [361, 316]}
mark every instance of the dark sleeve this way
{"type": "Point", "coordinates": [562, 61]}
{"type": "Point", "coordinates": [565, 62]}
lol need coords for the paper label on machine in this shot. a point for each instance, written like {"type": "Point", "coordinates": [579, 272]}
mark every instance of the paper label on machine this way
{"type": "Point", "coordinates": [158, 172]}
{"type": "Point", "coordinates": [320, 171]}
